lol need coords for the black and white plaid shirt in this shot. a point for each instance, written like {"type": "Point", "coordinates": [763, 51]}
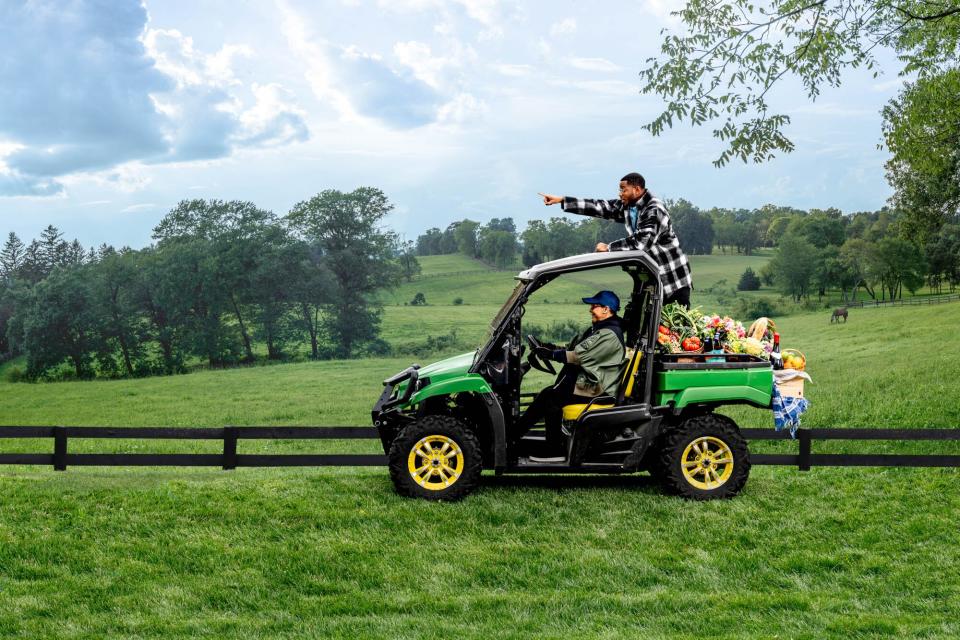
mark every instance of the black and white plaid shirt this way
{"type": "Point", "coordinates": [648, 228]}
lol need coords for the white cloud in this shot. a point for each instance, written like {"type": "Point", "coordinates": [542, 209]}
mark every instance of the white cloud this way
{"type": "Point", "coordinates": [662, 9]}
{"type": "Point", "coordinates": [565, 27]}
{"type": "Point", "coordinates": [377, 91]}
{"type": "Point", "coordinates": [418, 57]}
{"type": "Point", "coordinates": [126, 178]}
{"type": "Point", "coordinates": [514, 70]}
{"type": "Point", "coordinates": [543, 48]}
{"type": "Point", "coordinates": [486, 12]}
{"type": "Point", "coordinates": [174, 54]}
{"type": "Point", "coordinates": [273, 120]}
{"type": "Point", "coordinates": [134, 208]}
{"type": "Point", "coordinates": [210, 116]}
{"type": "Point", "coordinates": [462, 108]}
{"type": "Point", "coordinates": [312, 52]}
{"type": "Point", "coordinates": [414, 87]}
{"type": "Point", "coordinates": [593, 64]}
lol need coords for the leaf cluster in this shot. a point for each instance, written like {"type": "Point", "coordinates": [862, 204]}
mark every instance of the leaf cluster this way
{"type": "Point", "coordinates": [732, 53]}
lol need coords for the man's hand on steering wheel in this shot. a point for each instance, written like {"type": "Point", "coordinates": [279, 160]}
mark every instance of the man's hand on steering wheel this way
{"type": "Point", "coordinates": [540, 355]}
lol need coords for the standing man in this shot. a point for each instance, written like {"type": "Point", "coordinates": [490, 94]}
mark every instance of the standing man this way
{"type": "Point", "coordinates": [647, 222]}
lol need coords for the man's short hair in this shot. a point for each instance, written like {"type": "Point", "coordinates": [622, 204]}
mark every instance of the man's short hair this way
{"type": "Point", "coordinates": [634, 179]}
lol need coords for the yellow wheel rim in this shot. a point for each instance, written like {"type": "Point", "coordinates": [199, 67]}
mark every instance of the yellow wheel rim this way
{"type": "Point", "coordinates": [435, 462]}
{"type": "Point", "coordinates": [707, 463]}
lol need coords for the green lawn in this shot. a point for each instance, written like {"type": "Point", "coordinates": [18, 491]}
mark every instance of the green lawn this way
{"type": "Point", "coordinates": [333, 553]}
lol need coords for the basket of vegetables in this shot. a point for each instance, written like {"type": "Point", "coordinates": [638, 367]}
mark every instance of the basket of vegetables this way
{"type": "Point", "coordinates": [680, 330]}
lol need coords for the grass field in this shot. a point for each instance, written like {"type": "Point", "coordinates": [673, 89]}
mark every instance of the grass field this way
{"type": "Point", "coordinates": [333, 553]}
{"type": "Point", "coordinates": [478, 284]}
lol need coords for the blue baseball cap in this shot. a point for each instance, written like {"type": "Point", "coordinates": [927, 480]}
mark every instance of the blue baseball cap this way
{"type": "Point", "coordinates": [605, 298]}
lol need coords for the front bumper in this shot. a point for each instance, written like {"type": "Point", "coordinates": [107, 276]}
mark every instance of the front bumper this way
{"type": "Point", "coordinates": [389, 398]}
{"type": "Point", "coordinates": [385, 419]}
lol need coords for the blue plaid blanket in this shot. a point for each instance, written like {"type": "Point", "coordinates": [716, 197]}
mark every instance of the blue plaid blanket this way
{"type": "Point", "coordinates": [787, 412]}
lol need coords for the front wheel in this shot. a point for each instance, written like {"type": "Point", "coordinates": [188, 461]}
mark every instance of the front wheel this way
{"type": "Point", "coordinates": [703, 458]}
{"type": "Point", "coordinates": [436, 458]}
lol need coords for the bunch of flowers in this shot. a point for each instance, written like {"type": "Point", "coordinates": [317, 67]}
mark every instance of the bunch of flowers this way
{"type": "Point", "coordinates": [732, 328]}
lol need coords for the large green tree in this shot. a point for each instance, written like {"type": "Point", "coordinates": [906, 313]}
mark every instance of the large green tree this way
{"type": "Point", "coordinates": [943, 257]}
{"type": "Point", "coordinates": [112, 284]}
{"type": "Point", "coordinates": [59, 324]}
{"type": "Point", "coordinates": [11, 256]}
{"type": "Point", "coordinates": [346, 228]}
{"type": "Point", "coordinates": [693, 227]}
{"type": "Point", "coordinates": [894, 264]}
{"type": "Point", "coordinates": [921, 127]}
{"type": "Point", "coordinates": [794, 265]}
{"type": "Point", "coordinates": [237, 234]}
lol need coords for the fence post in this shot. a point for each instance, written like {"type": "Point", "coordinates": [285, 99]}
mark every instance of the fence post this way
{"type": "Point", "coordinates": [229, 448]}
{"type": "Point", "coordinates": [59, 448]}
{"type": "Point", "coordinates": [804, 462]}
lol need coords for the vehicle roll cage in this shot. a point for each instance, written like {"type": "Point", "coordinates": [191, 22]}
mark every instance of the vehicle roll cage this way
{"type": "Point", "coordinates": [646, 280]}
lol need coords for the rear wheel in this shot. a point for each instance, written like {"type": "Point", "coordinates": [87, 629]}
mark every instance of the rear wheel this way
{"type": "Point", "coordinates": [436, 458]}
{"type": "Point", "coordinates": [703, 458]}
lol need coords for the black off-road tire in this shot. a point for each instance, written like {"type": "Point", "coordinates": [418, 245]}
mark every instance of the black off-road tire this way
{"type": "Point", "coordinates": [440, 428]}
{"type": "Point", "coordinates": [676, 441]}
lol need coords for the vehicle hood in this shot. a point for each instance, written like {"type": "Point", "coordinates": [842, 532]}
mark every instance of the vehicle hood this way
{"type": "Point", "coordinates": [449, 368]}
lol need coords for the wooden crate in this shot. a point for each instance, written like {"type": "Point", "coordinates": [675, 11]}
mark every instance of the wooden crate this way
{"type": "Point", "coordinates": [791, 388]}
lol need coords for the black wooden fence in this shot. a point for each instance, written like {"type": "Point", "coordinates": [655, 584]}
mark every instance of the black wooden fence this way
{"type": "Point", "coordinates": [60, 458]}
{"type": "Point", "coordinates": [921, 300]}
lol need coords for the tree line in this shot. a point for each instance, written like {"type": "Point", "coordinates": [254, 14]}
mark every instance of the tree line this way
{"type": "Point", "coordinates": [226, 282]}
{"type": "Point", "coordinates": [220, 278]}
{"type": "Point", "coordinates": [498, 242]}
{"type": "Point", "coordinates": [877, 252]}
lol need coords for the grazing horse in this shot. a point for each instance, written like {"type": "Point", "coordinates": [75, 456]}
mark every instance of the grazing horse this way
{"type": "Point", "coordinates": [838, 313]}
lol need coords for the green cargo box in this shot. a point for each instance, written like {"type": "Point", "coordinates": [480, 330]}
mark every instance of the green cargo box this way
{"type": "Point", "coordinates": [738, 378]}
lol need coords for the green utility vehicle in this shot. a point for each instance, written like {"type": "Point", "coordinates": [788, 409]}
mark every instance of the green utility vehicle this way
{"type": "Point", "coordinates": [442, 424]}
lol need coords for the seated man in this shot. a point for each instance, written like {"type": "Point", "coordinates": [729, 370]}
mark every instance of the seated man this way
{"type": "Point", "coordinates": [593, 362]}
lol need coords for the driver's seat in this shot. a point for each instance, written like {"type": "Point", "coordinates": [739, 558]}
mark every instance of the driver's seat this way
{"type": "Point", "coordinates": [572, 412]}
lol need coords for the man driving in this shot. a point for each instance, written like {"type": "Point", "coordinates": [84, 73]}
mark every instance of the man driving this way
{"type": "Point", "coordinates": [593, 362]}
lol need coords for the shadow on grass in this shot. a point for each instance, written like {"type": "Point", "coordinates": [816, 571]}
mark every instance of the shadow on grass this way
{"type": "Point", "coordinates": [643, 483]}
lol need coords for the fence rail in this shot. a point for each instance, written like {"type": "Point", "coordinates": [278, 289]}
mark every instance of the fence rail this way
{"type": "Point", "coordinates": [860, 304]}
{"type": "Point", "coordinates": [60, 458]}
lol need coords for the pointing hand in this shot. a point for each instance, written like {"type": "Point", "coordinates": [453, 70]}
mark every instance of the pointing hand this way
{"type": "Point", "coordinates": [549, 200]}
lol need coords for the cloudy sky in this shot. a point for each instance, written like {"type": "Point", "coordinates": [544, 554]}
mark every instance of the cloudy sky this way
{"type": "Point", "coordinates": [111, 111]}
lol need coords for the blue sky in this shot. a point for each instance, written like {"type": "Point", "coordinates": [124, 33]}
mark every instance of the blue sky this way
{"type": "Point", "coordinates": [111, 112]}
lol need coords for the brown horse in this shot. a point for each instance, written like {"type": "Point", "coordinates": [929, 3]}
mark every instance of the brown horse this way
{"type": "Point", "coordinates": [840, 312]}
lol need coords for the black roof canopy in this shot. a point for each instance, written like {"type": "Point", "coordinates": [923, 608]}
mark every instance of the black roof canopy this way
{"type": "Point", "coordinates": [586, 261]}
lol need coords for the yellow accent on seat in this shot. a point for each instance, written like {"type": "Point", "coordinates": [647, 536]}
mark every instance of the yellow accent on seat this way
{"type": "Point", "coordinates": [572, 412]}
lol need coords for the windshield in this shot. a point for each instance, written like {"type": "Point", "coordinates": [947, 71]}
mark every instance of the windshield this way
{"type": "Point", "coordinates": [501, 315]}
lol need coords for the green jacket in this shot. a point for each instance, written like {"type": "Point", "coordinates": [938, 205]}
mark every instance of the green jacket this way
{"type": "Point", "coordinates": [600, 356]}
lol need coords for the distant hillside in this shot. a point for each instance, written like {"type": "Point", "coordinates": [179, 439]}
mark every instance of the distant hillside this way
{"type": "Point", "coordinates": [447, 277]}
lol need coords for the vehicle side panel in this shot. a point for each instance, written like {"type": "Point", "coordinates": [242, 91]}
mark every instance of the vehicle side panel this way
{"type": "Point", "coordinates": [682, 388]}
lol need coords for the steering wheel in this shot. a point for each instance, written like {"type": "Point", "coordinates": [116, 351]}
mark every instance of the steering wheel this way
{"type": "Point", "coordinates": [536, 361]}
